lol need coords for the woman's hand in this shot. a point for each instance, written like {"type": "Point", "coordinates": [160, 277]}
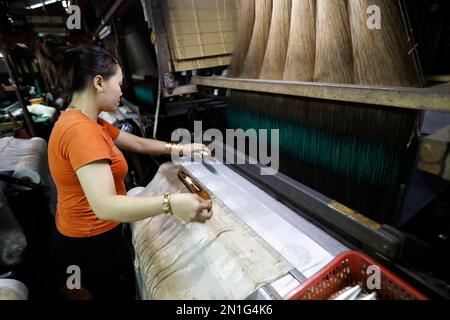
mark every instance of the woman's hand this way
{"type": "Point", "coordinates": [190, 207]}
{"type": "Point", "coordinates": [188, 149]}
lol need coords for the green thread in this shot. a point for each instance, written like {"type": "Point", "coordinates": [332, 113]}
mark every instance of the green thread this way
{"type": "Point", "coordinates": [375, 163]}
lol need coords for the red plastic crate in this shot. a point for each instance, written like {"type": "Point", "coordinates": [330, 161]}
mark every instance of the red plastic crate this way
{"type": "Point", "coordinates": [349, 269]}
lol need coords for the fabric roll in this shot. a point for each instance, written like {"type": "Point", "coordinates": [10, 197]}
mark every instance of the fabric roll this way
{"type": "Point", "coordinates": [12, 239]}
{"type": "Point", "coordinates": [30, 161]}
{"type": "Point", "coordinates": [11, 289]}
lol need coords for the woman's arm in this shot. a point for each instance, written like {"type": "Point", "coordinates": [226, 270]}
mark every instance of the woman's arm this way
{"type": "Point", "coordinates": [97, 182]}
{"type": "Point", "coordinates": [130, 142]}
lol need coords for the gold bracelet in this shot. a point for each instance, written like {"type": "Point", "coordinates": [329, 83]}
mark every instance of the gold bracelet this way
{"type": "Point", "coordinates": [170, 148]}
{"type": "Point", "coordinates": [167, 208]}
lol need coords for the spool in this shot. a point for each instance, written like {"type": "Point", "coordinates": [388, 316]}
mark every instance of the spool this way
{"type": "Point", "coordinates": [11, 289]}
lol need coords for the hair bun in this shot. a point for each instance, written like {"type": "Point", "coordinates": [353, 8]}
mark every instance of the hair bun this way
{"type": "Point", "coordinates": [69, 68]}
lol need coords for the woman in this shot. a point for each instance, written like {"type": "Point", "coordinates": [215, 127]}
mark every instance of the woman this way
{"type": "Point", "coordinates": [89, 170]}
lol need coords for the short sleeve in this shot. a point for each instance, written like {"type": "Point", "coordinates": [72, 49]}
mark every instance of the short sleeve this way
{"type": "Point", "coordinates": [112, 131]}
{"type": "Point", "coordinates": [84, 144]}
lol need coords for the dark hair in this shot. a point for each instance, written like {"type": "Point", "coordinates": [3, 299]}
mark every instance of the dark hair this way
{"type": "Point", "coordinates": [69, 68]}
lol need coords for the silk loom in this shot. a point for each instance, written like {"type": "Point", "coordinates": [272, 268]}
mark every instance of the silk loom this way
{"type": "Point", "coordinates": [348, 101]}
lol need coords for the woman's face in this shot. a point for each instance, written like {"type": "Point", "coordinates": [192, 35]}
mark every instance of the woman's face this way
{"type": "Point", "coordinates": [109, 97]}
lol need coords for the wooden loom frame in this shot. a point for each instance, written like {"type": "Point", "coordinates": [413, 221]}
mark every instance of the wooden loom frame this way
{"type": "Point", "coordinates": [435, 98]}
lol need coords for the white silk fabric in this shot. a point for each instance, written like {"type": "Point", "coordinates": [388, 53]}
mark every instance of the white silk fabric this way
{"type": "Point", "coordinates": [222, 259]}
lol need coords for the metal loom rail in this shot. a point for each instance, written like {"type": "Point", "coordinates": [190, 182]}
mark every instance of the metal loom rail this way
{"type": "Point", "coordinates": [435, 98]}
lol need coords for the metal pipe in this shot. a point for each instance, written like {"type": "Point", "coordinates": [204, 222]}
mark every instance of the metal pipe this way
{"type": "Point", "coordinates": [104, 20]}
{"type": "Point", "coordinates": [22, 102]}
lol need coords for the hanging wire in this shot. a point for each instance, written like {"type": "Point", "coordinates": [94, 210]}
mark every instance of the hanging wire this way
{"type": "Point", "coordinates": [409, 31]}
{"type": "Point", "coordinates": [158, 103]}
{"type": "Point", "coordinates": [415, 54]}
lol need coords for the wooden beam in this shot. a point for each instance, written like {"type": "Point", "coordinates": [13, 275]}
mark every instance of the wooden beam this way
{"type": "Point", "coordinates": [439, 78]}
{"type": "Point", "coordinates": [429, 99]}
{"type": "Point", "coordinates": [435, 154]}
{"type": "Point", "coordinates": [179, 91]}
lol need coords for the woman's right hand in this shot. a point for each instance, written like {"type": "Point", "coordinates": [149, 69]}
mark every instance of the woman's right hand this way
{"type": "Point", "coordinates": [190, 207]}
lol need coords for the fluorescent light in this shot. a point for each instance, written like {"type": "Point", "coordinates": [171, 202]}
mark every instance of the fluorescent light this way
{"type": "Point", "coordinates": [66, 5]}
{"type": "Point", "coordinates": [43, 34]}
{"type": "Point", "coordinates": [41, 4]}
{"type": "Point", "coordinates": [1, 55]}
{"type": "Point", "coordinates": [106, 31]}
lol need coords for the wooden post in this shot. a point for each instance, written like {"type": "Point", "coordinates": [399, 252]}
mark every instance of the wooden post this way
{"type": "Point", "coordinates": [155, 12]}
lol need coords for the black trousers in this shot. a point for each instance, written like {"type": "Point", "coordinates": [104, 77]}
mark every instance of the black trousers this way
{"type": "Point", "coordinates": [105, 263]}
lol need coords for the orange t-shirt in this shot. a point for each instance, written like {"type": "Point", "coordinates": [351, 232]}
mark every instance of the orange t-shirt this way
{"type": "Point", "coordinates": [76, 141]}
